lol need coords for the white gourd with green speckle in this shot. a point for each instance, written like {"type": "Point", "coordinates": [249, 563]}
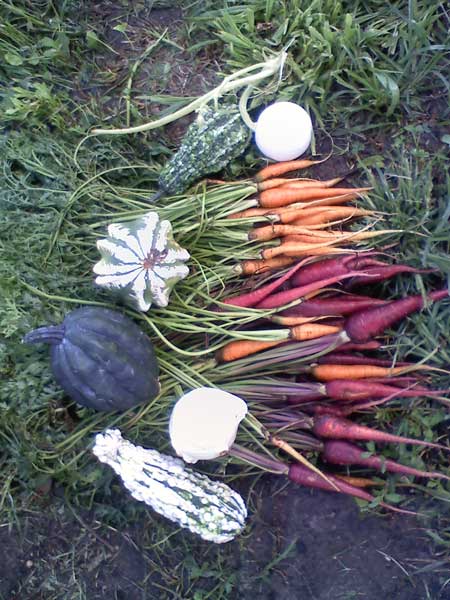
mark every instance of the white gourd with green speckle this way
{"type": "Point", "coordinates": [213, 140]}
{"type": "Point", "coordinates": [208, 508]}
{"type": "Point", "coordinates": [141, 261]}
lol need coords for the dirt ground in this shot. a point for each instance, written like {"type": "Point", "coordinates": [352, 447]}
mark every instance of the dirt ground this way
{"type": "Point", "coordinates": [329, 550]}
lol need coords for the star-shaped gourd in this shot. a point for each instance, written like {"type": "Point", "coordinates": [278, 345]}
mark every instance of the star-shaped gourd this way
{"type": "Point", "coordinates": [141, 261]}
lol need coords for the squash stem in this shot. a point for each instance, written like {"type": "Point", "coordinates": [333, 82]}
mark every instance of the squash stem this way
{"type": "Point", "coordinates": [52, 334]}
{"type": "Point", "coordinates": [229, 83]}
{"type": "Point", "coordinates": [243, 108]}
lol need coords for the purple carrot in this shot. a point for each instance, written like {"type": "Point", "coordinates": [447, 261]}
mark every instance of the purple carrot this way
{"type": "Point", "coordinates": [337, 358]}
{"type": "Point", "coordinates": [328, 409]}
{"type": "Point", "coordinates": [329, 267]}
{"type": "Point", "coordinates": [338, 305]}
{"type": "Point", "coordinates": [314, 394]}
{"type": "Point", "coordinates": [327, 426]}
{"type": "Point", "coordinates": [370, 345]}
{"type": "Point", "coordinates": [353, 390]}
{"type": "Point", "coordinates": [287, 296]}
{"type": "Point", "coordinates": [403, 381]}
{"type": "Point", "coordinates": [348, 409]}
{"type": "Point", "coordinates": [343, 410]}
{"type": "Point", "coordinates": [338, 452]}
{"type": "Point", "coordinates": [303, 476]}
{"type": "Point", "coordinates": [251, 299]}
{"type": "Point", "coordinates": [381, 273]}
{"type": "Point", "coordinates": [366, 324]}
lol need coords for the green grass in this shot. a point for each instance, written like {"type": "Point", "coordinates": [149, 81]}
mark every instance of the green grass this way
{"type": "Point", "coordinates": [370, 61]}
{"type": "Point", "coordinates": [374, 76]}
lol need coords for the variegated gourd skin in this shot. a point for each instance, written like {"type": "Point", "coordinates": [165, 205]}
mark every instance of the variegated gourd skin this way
{"type": "Point", "coordinates": [211, 142]}
{"type": "Point", "coordinates": [208, 508]}
{"type": "Point", "coordinates": [141, 261]}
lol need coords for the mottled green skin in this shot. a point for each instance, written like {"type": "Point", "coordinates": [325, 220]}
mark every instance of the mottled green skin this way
{"type": "Point", "coordinates": [210, 143]}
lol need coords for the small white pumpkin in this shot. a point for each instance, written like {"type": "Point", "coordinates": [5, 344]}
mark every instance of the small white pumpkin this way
{"type": "Point", "coordinates": [283, 131]}
{"type": "Point", "coordinates": [141, 260]}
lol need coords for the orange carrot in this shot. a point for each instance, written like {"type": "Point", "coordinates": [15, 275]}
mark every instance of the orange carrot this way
{"type": "Point", "coordinates": [301, 249]}
{"type": "Point", "coordinates": [297, 210]}
{"type": "Point", "coordinates": [297, 234]}
{"type": "Point", "coordinates": [318, 237]}
{"type": "Point", "coordinates": [312, 331]}
{"type": "Point", "coordinates": [281, 197]}
{"type": "Point", "coordinates": [337, 200]}
{"type": "Point", "coordinates": [268, 184]}
{"type": "Point", "coordinates": [295, 184]}
{"type": "Point", "coordinates": [280, 168]}
{"type": "Point", "coordinates": [330, 372]}
{"type": "Point", "coordinates": [330, 213]}
{"type": "Point", "coordinates": [255, 267]}
{"type": "Point", "coordinates": [250, 212]}
{"type": "Point", "coordinates": [269, 232]}
{"type": "Point", "coordinates": [310, 251]}
{"type": "Point", "coordinates": [241, 348]}
{"type": "Point", "coordinates": [359, 482]}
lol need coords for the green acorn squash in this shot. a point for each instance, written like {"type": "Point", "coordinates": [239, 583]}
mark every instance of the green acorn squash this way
{"type": "Point", "coordinates": [101, 358]}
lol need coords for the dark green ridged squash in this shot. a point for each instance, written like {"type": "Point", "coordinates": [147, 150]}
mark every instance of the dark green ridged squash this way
{"type": "Point", "coordinates": [101, 358]}
{"type": "Point", "coordinates": [213, 140]}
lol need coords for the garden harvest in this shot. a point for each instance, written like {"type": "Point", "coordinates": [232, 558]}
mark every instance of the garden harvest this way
{"type": "Point", "coordinates": [301, 252]}
{"type": "Point", "coordinates": [296, 344]}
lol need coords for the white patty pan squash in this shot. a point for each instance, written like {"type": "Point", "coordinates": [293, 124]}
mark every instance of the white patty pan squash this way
{"type": "Point", "coordinates": [141, 261]}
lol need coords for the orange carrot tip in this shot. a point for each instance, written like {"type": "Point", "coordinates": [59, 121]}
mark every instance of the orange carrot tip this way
{"type": "Point", "coordinates": [280, 168]}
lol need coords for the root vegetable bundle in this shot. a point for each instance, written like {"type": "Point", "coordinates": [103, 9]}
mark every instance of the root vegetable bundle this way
{"type": "Point", "coordinates": [278, 309]}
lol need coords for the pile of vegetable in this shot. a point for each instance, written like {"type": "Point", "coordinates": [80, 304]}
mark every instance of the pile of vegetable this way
{"type": "Point", "coordinates": [257, 290]}
{"type": "Point", "coordinates": [301, 348]}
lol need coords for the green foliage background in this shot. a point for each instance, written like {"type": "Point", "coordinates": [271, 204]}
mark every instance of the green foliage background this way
{"type": "Point", "coordinates": [373, 74]}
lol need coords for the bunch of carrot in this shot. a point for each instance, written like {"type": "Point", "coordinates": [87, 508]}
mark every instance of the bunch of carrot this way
{"type": "Point", "coordinates": [320, 318]}
{"type": "Point", "coordinates": [300, 214]}
{"type": "Point", "coordinates": [346, 380]}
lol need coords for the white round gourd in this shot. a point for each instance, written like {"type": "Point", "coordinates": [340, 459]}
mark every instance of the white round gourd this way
{"type": "Point", "coordinates": [283, 131]}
